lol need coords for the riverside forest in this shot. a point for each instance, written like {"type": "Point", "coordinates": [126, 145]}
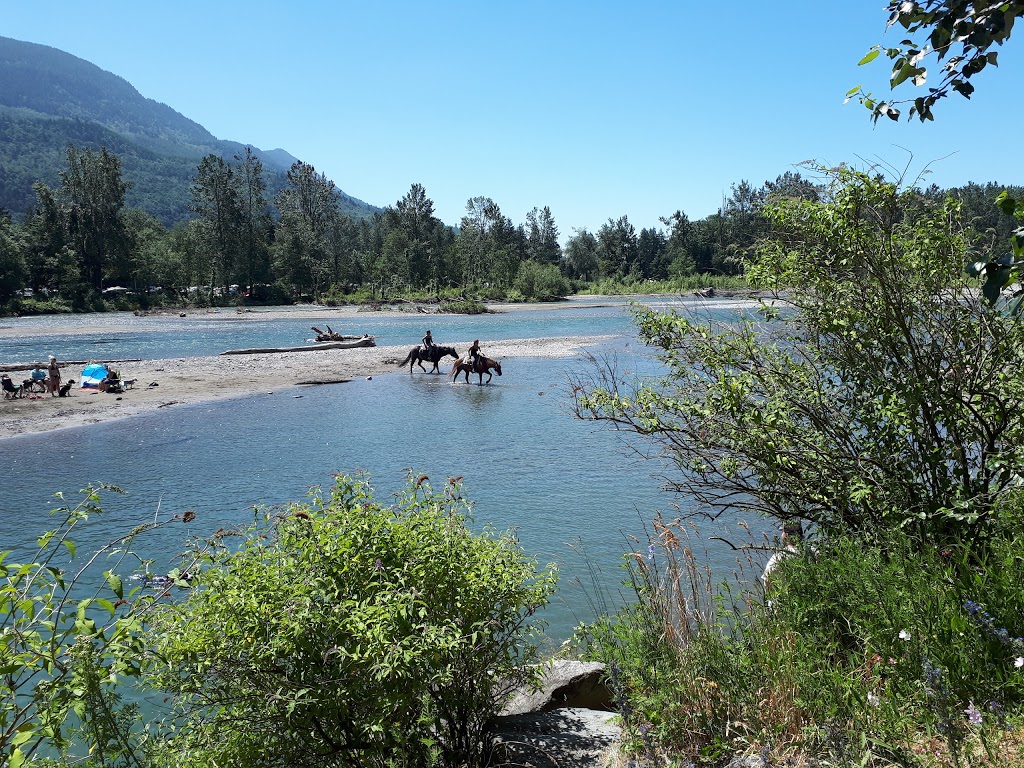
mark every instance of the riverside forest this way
{"type": "Point", "coordinates": [80, 247]}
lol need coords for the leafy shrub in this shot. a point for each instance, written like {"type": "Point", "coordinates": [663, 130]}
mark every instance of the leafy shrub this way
{"type": "Point", "coordinates": [71, 638]}
{"type": "Point", "coordinates": [867, 654]}
{"type": "Point", "coordinates": [540, 281]}
{"type": "Point", "coordinates": [348, 632]}
{"type": "Point", "coordinates": [463, 307]}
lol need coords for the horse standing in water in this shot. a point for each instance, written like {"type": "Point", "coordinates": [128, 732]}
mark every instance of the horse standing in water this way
{"type": "Point", "coordinates": [483, 365]}
{"type": "Point", "coordinates": [433, 355]}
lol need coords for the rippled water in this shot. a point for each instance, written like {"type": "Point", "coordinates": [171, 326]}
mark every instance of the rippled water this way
{"type": "Point", "coordinates": [571, 489]}
{"type": "Point", "coordinates": [122, 335]}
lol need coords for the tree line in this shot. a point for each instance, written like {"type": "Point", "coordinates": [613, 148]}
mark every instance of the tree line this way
{"type": "Point", "coordinates": [80, 238]}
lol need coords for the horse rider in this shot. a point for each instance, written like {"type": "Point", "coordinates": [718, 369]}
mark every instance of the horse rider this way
{"type": "Point", "coordinates": [428, 341]}
{"type": "Point", "coordinates": [474, 354]}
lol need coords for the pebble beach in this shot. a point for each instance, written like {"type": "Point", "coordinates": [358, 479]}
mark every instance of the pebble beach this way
{"type": "Point", "coordinates": [180, 382]}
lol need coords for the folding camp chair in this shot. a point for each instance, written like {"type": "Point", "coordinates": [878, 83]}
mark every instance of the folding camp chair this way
{"type": "Point", "coordinates": [11, 390]}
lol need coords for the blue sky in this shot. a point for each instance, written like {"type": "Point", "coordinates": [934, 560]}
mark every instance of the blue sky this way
{"type": "Point", "coordinates": [595, 109]}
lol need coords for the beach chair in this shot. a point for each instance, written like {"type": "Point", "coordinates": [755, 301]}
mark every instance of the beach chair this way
{"type": "Point", "coordinates": [11, 390]}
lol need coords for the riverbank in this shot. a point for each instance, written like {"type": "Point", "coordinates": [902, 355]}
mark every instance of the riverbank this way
{"type": "Point", "coordinates": [177, 382]}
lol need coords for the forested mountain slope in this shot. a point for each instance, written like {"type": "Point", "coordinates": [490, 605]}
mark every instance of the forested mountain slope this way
{"type": "Point", "coordinates": [49, 99]}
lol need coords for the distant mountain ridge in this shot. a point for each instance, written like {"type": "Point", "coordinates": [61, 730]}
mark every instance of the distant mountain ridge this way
{"type": "Point", "coordinates": [49, 98]}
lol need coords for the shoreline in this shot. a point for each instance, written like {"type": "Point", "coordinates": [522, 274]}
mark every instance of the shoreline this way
{"type": "Point", "coordinates": [173, 382]}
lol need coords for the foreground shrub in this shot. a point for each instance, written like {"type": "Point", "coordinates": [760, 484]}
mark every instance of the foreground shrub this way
{"type": "Point", "coordinates": [71, 639]}
{"type": "Point", "coordinates": [347, 632]}
{"type": "Point", "coordinates": [881, 654]}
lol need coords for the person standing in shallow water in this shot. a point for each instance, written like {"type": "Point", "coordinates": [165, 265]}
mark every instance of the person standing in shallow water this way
{"type": "Point", "coordinates": [52, 376]}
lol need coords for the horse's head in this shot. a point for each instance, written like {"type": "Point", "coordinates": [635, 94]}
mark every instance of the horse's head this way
{"type": "Point", "coordinates": [497, 367]}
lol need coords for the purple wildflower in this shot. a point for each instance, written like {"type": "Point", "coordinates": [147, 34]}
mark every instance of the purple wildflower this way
{"type": "Point", "coordinates": [973, 714]}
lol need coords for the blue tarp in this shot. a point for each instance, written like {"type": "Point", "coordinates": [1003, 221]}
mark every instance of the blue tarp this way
{"type": "Point", "coordinates": [93, 374]}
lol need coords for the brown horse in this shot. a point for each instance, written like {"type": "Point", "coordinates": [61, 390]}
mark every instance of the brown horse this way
{"type": "Point", "coordinates": [433, 355]}
{"type": "Point", "coordinates": [483, 365]}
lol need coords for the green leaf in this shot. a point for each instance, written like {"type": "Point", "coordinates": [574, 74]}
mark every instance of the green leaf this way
{"type": "Point", "coordinates": [1006, 203]}
{"type": "Point", "coordinates": [115, 584]}
{"type": "Point", "coordinates": [993, 287]}
{"type": "Point", "coordinates": [70, 546]}
{"type": "Point", "coordinates": [853, 91]}
{"type": "Point", "coordinates": [869, 57]}
{"type": "Point", "coordinates": [975, 268]}
{"type": "Point", "coordinates": [103, 602]}
{"type": "Point", "coordinates": [17, 758]}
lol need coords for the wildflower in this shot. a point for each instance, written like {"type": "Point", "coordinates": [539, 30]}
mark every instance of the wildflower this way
{"type": "Point", "coordinates": [904, 635]}
{"type": "Point", "coordinates": [973, 714]}
{"type": "Point", "coordinates": [873, 699]}
{"type": "Point", "coordinates": [650, 552]}
{"type": "Point", "coordinates": [1018, 662]}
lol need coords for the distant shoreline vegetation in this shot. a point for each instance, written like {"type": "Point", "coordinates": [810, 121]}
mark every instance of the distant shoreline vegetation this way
{"type": "Point", "coordinates": [81, 248]}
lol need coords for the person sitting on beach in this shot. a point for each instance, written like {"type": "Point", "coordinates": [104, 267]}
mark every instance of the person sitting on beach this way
{"type": "Point", "coordinates": [111, 382]}
{"type": "Point", "coordinates": [38, 378]}
{"type": "Point", "coordinates": [428, 341]}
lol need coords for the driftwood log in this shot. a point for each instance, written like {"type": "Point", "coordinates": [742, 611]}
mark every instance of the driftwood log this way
{"type": "Point", "coordinates": [331, 335]}
{"type": "Point", "coordinates": [362, 341]}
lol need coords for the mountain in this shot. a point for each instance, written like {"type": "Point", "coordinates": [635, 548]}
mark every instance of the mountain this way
{"type": "Point", "coordinates": [49, 99]}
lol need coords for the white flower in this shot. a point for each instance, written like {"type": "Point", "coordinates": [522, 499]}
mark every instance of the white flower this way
{"type": "Point", "coordinates": [873, 699]}
{"type": "Point", "coordinates": [1018, 662]}
{"type": "Point", "coordinates": [904, 635]}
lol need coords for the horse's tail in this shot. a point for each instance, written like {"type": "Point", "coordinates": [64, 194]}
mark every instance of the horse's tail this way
{"type": "Point", "coordinates": [408, 357]}
{"type": "Point", "coordinates": [455, 368]}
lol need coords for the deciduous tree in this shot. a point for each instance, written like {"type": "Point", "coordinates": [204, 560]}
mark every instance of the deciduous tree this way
{"type": "Point", "coordinates": [959, 34]}
{"type": "Point", "coordinates": [873, 394]}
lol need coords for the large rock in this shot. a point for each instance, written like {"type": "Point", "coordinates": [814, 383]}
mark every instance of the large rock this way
{"type": "Point", "coordinates": [561, 738]}
{"type": "Point", "coordinates": [575, 684]}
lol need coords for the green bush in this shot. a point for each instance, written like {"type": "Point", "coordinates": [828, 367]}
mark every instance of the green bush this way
{"type": "Point", "coordinates": [540, 282]}
{"type": "Point", "coordinates": [71, 639]}
{"type": "Point", "coordinates": [865, 654]}
{"type": "Point", "coordinates": [348, 632]}
{"type": "Point", "coordinates": [463, 307]}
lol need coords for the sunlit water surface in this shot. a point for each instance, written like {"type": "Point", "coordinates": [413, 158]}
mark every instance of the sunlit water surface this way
{"type": "Point", "coordinates": [572, 490]}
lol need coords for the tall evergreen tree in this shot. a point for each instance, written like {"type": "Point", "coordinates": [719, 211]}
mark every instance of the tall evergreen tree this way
{"type": "Point", "coordinates": [542, 238]}
{"type": "Point", "coordinates": [256, 223]}
{"type": "Point", "coordinates": [215, 199]}
{"type": "Point", "coordinates": [309, 211]}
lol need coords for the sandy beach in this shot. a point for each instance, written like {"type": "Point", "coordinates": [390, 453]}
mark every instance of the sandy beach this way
{"type": "Point", "coordinates": [178, 382]}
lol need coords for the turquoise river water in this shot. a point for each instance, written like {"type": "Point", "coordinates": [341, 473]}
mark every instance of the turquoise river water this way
{"type": "Point", "coordinates": [574, 491]}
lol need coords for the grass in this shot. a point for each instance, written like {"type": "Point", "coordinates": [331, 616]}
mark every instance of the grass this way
{"type": "Point", "coordinates": [870, 655]}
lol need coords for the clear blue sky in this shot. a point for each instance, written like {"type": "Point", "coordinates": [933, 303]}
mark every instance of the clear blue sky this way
{"type": "Point", "coordinates": [595, 109]}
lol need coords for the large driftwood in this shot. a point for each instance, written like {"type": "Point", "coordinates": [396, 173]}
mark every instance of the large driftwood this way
{"type": "Point", "coordinates": [363, 341]}
{"type": "Point", "coordinates": [331, 335]}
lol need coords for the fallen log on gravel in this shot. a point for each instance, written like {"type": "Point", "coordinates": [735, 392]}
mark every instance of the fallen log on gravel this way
{"type": "Point", "coordinates": [363, 341]}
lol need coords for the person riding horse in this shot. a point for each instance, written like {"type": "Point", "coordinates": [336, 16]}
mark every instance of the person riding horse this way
{"type": "Point", "coordinates": [474, 354]}
{"type": "Point", "coordinates": [428, 341]}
